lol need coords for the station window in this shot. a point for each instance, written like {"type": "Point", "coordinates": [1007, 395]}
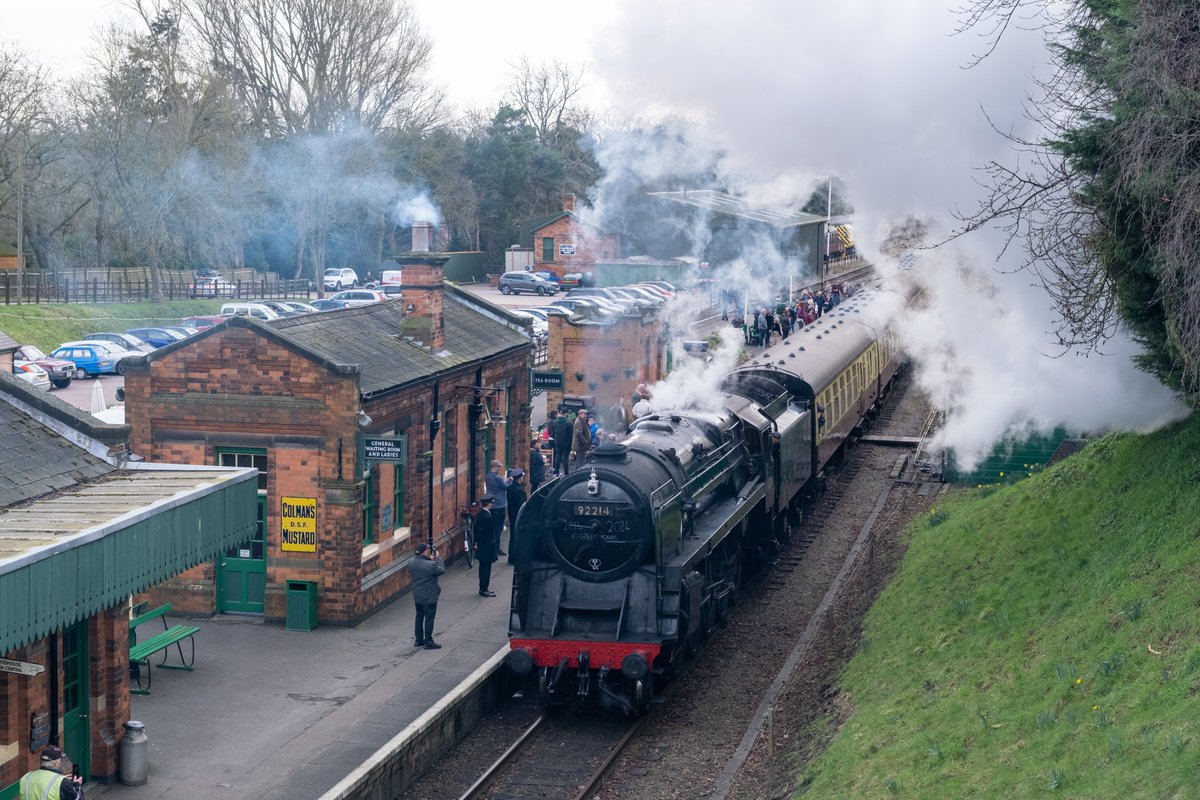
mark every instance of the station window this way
{"type": "Point", "coordinates": [370, 492]}
{"type": "Point", "coordinates": [548, 249]}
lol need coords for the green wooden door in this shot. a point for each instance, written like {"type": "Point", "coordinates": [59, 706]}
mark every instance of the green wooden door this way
{"type": "Point", "coordinates": [242, 570]}
{"type": "Point", "coordinates": [76, 734]}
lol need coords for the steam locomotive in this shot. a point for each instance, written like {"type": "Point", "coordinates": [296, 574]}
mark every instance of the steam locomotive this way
{"type": "Point", "coordinates": [625, 565]}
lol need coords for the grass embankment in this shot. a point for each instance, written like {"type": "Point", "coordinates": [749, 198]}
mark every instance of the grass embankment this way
{"type": "Point", "coordinates": [1041, 637]}
{"type": "Point", "coordinates": [48, 326]}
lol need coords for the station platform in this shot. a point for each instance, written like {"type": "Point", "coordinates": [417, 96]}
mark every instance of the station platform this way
{"type": "Point", "coordinates": [271, 713]}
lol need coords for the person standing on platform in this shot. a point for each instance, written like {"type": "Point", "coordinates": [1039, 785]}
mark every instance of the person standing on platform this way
{"type": "Point", "coordinates": [50, 779]}
{"type": "Point", "coordinates": [581, 437]}
{"type": "Point", "coordinates": [497, 487]}
{"type": "Point", "coordinates": [560, 431]}
{"type": "Point", "coordinates": [537, 472]}
{"type": "Point", "coordinates": [516, 499]}
{"type": "Point", "coordinates": [424, 569]}
{"type": "Point", "coordinates": [485, 545]}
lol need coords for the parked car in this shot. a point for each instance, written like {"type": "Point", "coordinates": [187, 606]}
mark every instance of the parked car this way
{"type": "Point", "coordinates": [337, 279]}
{"type": "Point", "coordinates": [90, 360]}
{"type": "Point", "coordinates": [303, 308]}
{"type": "Point", "coordinates": [547, 274]}
{"type": "Point", "coordinates": [32, 374]}
{"type": "Point", "coordinates": [214, 286]}
{"type": "Point", "coordinates": [60, 370]}
{"type": "Point", "coordinates": [579, 305]}
{"type": "Point", "coordinates": [203, 321]}
{"type": "Point", "coordinates": [256, 310]}
{"type": "Point", "coordinates": [329, 305]}
{"type": "Point", "coordinates": [537, 325]}
{"type": "Point", "coordinates": [360, 297]}
{"type": "Point", "coordinates": [518, 282]}
{"type": "Point", "coordinates": [282, 309]}
{"type": "Point", "coordinates": [156, 337]}
{"type": "Point", "coordinates": [183, 330]}
{"type": "Point", "coordinates": [576, 279]}
{"type": "Point", "coordinates": [538, 313]}
{"type": "Point", "coordinates": [125, 341]}
{"type": "Point", "coordinates": [637, 295]}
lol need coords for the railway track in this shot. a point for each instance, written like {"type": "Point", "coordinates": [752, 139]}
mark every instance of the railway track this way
{"type": "Point", "coordinates": [558, 756]}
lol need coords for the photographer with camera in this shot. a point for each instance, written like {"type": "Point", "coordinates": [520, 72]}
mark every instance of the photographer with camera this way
{"type": "Point", "coordinates": [425, 568]}
{"type": "Point", "coordinates": [52, 779]}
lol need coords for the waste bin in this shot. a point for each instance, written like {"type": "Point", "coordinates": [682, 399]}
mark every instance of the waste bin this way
{"type": "Point", "coordinates": [301, 606]}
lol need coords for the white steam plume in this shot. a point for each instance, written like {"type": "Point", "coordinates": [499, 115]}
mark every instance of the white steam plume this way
{"type": "Point", "coordinates": [878, 95]}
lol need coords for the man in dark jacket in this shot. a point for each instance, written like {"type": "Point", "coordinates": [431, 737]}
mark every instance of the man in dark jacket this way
{"type": "Point", "coordinates": [581, 436]}
{"type": "Point", "coordinates": [485, 545]}
{"type": "Point", "coordinates": [537, 469]}
{"type": "Point", "coordinates": [560, 431]}
{"type": "Point", "coordinates": [425, 568]}
{"type": "Point", "coordinates": [516, 499]}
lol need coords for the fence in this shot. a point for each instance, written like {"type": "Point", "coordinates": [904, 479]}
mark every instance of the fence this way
{"type": "Point", "coordinates": [37, 288]}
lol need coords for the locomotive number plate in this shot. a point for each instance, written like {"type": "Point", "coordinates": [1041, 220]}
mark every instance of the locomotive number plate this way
{"type": "Point", "coordinates": [593, 511]}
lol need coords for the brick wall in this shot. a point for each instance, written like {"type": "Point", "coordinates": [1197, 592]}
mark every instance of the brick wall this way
{"type": "Point", "coordinates": [602, 354]}
{"type": "Point", "coordinates": [590, 247]}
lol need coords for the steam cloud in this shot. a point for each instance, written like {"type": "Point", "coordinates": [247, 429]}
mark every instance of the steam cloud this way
{"type": "Point", "coordinates": [877, 94]}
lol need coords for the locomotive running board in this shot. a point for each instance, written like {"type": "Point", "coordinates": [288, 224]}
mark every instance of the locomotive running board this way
{"type": "Point", "coordinates": [715, 524]}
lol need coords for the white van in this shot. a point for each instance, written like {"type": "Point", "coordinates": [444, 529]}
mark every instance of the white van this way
{"type": "Point", "coordinates": [256, 310]}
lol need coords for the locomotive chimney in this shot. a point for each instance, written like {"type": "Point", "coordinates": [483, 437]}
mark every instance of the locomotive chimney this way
{"type": "Point", "coordinates": [422, 236]}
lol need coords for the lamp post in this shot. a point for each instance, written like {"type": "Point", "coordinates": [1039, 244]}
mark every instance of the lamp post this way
{"type": "Point", "coordinates": [828, 221]}
{"type": "Point", "coordinates": [435, 425]}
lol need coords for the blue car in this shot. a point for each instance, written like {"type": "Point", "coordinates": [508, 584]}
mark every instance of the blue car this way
{"type": "Point", "coordinates": [328, 305]}
{"type": "Point", "coordinates": [156, 337]}
{"type": "Point", "coordinates": [90, 360]}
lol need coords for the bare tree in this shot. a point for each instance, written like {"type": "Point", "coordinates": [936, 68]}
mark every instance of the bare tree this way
{"type": "Point", "coordinates": [314, 66]}
{"type": "Point", "coordinates": [544, 94]}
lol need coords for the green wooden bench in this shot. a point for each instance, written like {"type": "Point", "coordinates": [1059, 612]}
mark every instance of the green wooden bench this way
{"type": "Point", "coordinates": [140, 652]}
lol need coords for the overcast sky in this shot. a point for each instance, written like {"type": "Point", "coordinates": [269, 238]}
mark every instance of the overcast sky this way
{"type": "Point", "coordinates": [878, 93]}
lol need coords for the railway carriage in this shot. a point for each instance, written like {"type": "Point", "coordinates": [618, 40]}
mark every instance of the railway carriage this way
{"type": "Point", "coordinates": [627, 563]}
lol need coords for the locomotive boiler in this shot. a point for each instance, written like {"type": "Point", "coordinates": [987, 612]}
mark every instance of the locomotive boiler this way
{"type": "Point", "coordinates": [626, 564]}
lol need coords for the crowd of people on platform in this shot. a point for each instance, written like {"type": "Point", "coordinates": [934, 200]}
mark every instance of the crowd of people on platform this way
{"type": "Point", "coordinates": [764, 324]}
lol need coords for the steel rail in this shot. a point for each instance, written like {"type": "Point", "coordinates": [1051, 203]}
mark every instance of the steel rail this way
{"type": "Point", "coordinates": [475, 790]}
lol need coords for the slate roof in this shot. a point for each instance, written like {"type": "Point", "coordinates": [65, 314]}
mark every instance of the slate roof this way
{"type": "Point", "coordinates": [727, 204]}
{"type": "Point", "coordinates": [36, 461]}
{"type": "Point", "coordinates": [7, 343]}
{"type": "Point", "coordinates": [368, 337]}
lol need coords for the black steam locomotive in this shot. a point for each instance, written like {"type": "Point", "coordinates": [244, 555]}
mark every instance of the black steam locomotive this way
{"type": "Point", "coordinates": [627, 563]}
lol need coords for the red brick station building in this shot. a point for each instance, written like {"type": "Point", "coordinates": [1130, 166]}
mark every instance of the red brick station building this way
{"type": "Point", "coordinates": [429, 385]}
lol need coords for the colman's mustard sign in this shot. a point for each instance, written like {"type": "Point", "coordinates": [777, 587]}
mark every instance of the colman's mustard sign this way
{"type": "Point", "coordinates": [298, 524]}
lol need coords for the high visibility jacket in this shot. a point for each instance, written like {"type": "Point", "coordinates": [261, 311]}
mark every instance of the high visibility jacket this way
{"type": "Point", "coordinates": [41, 784]}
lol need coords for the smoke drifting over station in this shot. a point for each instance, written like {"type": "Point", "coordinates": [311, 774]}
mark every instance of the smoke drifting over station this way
{"type": "Point", "coordinates": [884, 97]}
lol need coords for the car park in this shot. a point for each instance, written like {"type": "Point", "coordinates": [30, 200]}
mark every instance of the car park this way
{"type": "Point", "coordinates": [360, 297]}
{"type": "Point", "coordinates": [214, 286]}
{"type": "Point", "coordinates": [156, 337]}
{"type": "Point", "coordinates": [125, 341]}
{"type": "Point", "coordinates": [521, 282]}
{"type": "Point", "coordinates": [91, 359]}
{"type": "Point", "coordinates": [338, 278]}
{"type": "Point", "coordinates": [59, 370]}
{"type": "Point", "coordinates": [256, 310]}
{"type": "Point", "coordinates": [537, 325]}
{"type": "Point", "coordinates": [328, 305]}
{"type": "Point", "coordinates": [32, 374]}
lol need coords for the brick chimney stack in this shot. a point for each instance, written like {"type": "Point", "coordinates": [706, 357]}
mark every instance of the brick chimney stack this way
{"type": "Point", "coordinates": [422, 297]}
{"type": "Point", "coordinates": [568, 202]}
